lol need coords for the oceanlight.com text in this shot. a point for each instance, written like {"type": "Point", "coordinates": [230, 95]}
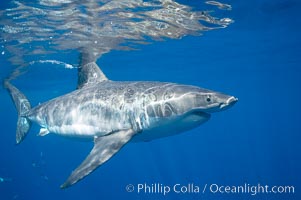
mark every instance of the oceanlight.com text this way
{"type": "Point", "coordinates": [250, 189]}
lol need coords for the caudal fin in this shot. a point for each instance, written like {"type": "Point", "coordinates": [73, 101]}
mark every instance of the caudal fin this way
{"type": "Point", "coordinates": [22, 105]}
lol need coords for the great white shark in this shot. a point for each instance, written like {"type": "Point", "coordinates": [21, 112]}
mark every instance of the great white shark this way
{"type": "Point", "coordinates": [112, 113]}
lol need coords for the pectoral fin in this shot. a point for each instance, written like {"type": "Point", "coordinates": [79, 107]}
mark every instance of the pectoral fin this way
{"type": "Point", "coordinates": [104, 148]}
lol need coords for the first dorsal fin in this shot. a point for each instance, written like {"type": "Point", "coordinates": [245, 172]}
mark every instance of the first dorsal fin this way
{"type": "Point", "coordinates": [90, 73]}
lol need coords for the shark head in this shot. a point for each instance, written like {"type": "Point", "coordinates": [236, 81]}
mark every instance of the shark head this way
{"type": "Point", "coordinates": [191, 99]}
{"type": "Point", "coordinates": [180, 108]}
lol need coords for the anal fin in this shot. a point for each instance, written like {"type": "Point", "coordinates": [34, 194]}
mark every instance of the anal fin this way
{"type": "Point", "coordinates": [43, 132]}
{"type": "Point", "coordinates": [104, 148]}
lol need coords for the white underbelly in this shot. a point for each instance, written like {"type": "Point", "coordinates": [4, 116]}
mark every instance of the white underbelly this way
{"type": "Point", "coordinates": [165, 128]}
{"type": "Point", "coordinates": [79, 130]}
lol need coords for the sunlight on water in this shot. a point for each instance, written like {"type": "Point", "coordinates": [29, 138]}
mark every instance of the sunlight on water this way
{"type": "Point", "coordinates": [54, 62]}
{"type": "Point", "coordinates": [221, 6]}
{"type": "Point", "coordinates": [94, 27]}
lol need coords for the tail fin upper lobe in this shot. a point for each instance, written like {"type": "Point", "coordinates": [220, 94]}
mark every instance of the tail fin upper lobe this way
{"type": "Point", "coordinates": [22, 105]}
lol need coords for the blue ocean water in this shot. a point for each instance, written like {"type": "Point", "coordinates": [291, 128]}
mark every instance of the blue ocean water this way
{"type": "Point", "coordinates": [257, 59]}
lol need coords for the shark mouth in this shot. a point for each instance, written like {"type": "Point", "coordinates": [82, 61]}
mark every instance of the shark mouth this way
{"type": "Point", "coordinates": [201, 114]}
{"type": "Point", "coordinates": [230, 102]}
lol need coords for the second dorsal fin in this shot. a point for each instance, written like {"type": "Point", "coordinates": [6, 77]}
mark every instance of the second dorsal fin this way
{"type": "Point", "coordinates": [88, 74]}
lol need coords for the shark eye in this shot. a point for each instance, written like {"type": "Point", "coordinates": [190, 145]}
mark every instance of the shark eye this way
{"type": "Point", "coordinates": [208, 99]}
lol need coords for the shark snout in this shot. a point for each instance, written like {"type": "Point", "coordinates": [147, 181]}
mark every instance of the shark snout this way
{"type": "Point", "coordinates": [230, 102]}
